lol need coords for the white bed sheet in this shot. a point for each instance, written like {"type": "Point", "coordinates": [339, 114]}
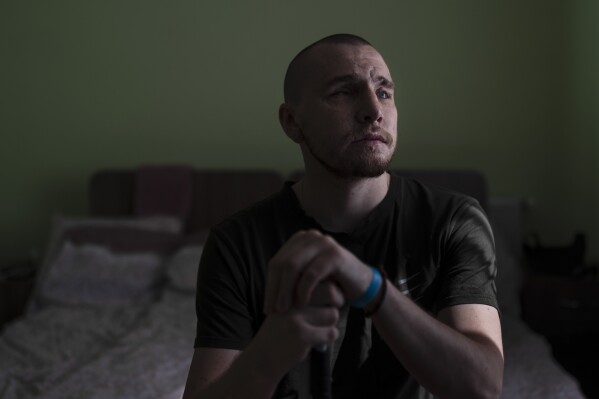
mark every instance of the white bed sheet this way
{"type": "Point", "coordinates": [132, 352]}
{"type": "Point", "coordinates": [530, 370]}
{"type": "Point", "coordinates": [150, 361]}
{"type": "Point", "coordinates": [45, 347]}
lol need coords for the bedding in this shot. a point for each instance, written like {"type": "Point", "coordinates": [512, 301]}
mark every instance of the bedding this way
{"type": "Point", "coordinates": [94, 275]}
{"type": "Point", "coordinates": [530, 371]}
{"type": "Point", "coordinates": [99, 280]}
{"type": "Point", "coordinates": [158, 234]}
{"type": "Point", "coordinates": [112, 311]}
{"type": "Point", "coordinates": [141, 350]}
{"type": "Point", "coordinates": [150, 361]}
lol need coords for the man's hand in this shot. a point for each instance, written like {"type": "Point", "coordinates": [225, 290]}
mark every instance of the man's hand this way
{"type": "Point", "coordinates": [286, 338]}
{"type": "Point", "coordinates": [303, 262]}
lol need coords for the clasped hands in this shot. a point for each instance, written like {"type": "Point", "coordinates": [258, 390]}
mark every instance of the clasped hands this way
{"type": "Point", "coordinates": [309, 279]}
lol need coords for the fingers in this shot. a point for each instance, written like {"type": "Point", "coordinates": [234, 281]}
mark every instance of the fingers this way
{"type": "Point", "coordinates": [286, 268]}
{"type": "Point", "coordinates": [285, 339]}
{"type": "Point", "coordinates": [319, 270]}
{"type": "Point", "coordinates": [321, 316]}
{"type": "Point", "coordinates": [327, 293]}
{"type": "Point", "coordinates": [307, 259]}
{"type": "Point", "coordinates": [274, 280]}
{"type": "Point", "coordinates": [317, 325]}
{"type": "Point", "coordinates": [322, 335]}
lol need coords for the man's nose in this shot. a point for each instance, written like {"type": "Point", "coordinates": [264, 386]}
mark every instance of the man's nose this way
{"type": "Point", "coordinates": [370, 108]}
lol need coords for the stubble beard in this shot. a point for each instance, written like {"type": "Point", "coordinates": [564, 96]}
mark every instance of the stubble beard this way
{"type": "Point", "coordinates": [365, 165]}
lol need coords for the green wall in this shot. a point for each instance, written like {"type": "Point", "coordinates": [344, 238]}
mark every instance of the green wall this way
{"type": "Point", "coordinates": [504, 87]}
{"type": "Point", "coordinates": [580, 140]}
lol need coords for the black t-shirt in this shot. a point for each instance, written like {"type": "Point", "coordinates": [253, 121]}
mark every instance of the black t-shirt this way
{"type": "Point", "coordinates": [436, 247]}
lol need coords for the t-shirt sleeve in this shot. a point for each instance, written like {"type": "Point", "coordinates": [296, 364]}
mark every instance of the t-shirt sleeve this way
{"type": "Point", "coordinates": [223, 316]}
{"type": "Point", "coordinates": [468, 265]}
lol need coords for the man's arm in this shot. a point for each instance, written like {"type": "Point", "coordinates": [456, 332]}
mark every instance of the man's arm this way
{"type": "Point", "coordinates": [457, 355]}
{"type": "Point", "coordinates": [207, 366]}
{"type": "Point", "coordinates": [284, 339]}
{"type": "Point", "coordinates": [217, 373]}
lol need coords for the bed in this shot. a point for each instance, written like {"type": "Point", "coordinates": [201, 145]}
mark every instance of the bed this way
{"type": "Point", "coordinates": [112, 313]}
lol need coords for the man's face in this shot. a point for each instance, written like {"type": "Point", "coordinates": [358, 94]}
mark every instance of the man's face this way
{"type": "Point", "coordinates": [346, 111]}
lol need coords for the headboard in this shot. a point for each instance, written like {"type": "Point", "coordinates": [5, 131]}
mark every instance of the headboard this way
{"type": "Point", "coordinates": [214, 194]}
{"type": "Point", "coordinates": [211, 195]}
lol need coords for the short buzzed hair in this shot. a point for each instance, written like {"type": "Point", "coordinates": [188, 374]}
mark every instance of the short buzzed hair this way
{"type": "Point", "coordinates": [291, 84]}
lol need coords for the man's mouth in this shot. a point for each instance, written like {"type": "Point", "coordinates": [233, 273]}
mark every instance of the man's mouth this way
{"type": "Point", "coordinates": [372, 137]}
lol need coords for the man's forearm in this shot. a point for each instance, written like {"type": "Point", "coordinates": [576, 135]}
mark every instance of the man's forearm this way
{"type": "Point", "coordinates": [284, 340]}
{"type": "Point", "coordinates": [244, 379]}
{"type": "Point", "coordinates": [446, 362]}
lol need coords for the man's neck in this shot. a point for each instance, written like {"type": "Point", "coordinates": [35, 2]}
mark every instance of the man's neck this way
{"type": "Point", "coordinates": [339, 205]}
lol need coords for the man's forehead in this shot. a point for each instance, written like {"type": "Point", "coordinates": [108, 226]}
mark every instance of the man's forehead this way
{"type": "Point", "coordinates": [329, 60]}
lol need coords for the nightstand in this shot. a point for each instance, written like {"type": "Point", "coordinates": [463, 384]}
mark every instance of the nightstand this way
{"type": "Point", "coordinates": [566, 311]}
{"type": "Point", "coordinates": [16, 283]}
{"type": "Point", "coordinates": [556, 305]}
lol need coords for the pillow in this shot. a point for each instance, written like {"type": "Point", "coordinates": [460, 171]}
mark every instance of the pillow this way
{"type": "Point", "coordinates": [94, 275]}
{"type": "Point", "coordinates": [123, 239]}
{"type": "Point", "coordinates": [182, 268]}
{"type": "Point", "coordinates": [153, 223]}
{"type": "Point", "coordinates": [61, 224]}
{"type": "Point", "coordinates": [124, 235]}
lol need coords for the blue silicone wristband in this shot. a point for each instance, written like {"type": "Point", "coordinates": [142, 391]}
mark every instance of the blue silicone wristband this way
{"type": "Point", "coordinates": [373, 288]}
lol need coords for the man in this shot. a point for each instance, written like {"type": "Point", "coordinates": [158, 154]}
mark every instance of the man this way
{"type": "Point", "coordinates": [416, 263]}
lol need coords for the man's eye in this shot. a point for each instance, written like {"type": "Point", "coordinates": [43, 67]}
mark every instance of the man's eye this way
{"type": "Point", "coordinates": [342, 92]}
{"type": "Point", "coordinates": [382, 94]}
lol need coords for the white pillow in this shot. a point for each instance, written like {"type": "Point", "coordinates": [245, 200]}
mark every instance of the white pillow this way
{"type": "Point", "coordinates": [93, 275]}
{"type": "Point", "coordinates": [182, 268]}
{"type": "Point", "coordinates": [61, 224]}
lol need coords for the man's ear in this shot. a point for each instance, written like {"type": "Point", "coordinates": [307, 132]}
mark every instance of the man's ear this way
{"type": "Point", "coordinates": [289, 124]}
